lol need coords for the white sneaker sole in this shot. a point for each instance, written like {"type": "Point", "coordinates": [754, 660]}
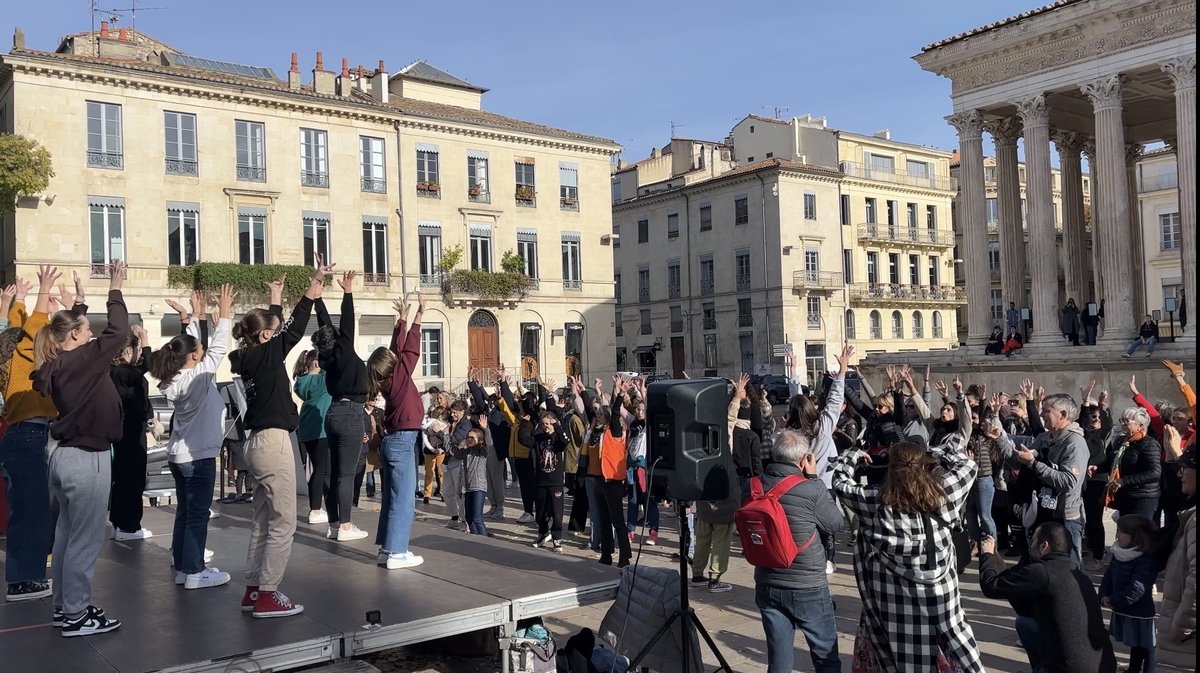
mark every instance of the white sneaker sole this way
{"type": "Point", "coordinates": [412, 562]}
{"type": "Point", "coordinates": [207, 583]}
{"type": "Point", "coordinates": [280, 613]}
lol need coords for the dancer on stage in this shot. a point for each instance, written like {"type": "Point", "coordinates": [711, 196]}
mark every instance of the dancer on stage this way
{"type": "Point", "coordinates": [271, 415]}
{"type": "Point", "coordinates": [187, 374]}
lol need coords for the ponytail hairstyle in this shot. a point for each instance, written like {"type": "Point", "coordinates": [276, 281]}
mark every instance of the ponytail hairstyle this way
{"type": "Point", "coordinates": [48, 344]}
{"type": "Point", "coordinates": [324, 339]}
{"type": "Point", "coordinates": [304, 363]}
{"type": "Point", "coordinates": [381, 365]}
{"type": "Point", "coordinates": [910, 486]}
{"type": "Point", "coordinates": [131, 343]}
{"type": "Point", "coordinates": [165, 363]}
{"type": "Point", "coordinates": [9, 339]}
{"type": "Point", "coordinates": [255, 322]}
{"type": "Point", "coordinates": [802, 416]}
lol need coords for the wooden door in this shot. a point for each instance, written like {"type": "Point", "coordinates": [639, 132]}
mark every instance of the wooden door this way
{"type": "Point", "coordinates": [677, 357]}
{"type": "Point", "coordinates": [483, 341]}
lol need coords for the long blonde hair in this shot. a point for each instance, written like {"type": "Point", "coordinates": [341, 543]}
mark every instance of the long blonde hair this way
{"type": "Point", "coordinates": [381, 365]}
{"type": "Point", "coordinates": [48, 343]}
{"type": "Point", "coordinates": [911, 486]}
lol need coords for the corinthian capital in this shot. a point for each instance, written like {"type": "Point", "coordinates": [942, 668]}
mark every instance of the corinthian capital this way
{"type": "Point", "coordinates": [1005, 131]}
{"type": "Point", "coordinates": [1133, 152]}
{"type": "Point", "coordinates": [1182, 71]}
{"type": "Point", "coordinates": [968, 123]}
{"type": "Point", "coordinates": [1069, 143]}
{"type": "Point", "coordinates": [1089, 148]}
{"type": "Point", "coordinates": [1033, 110]}
{"type": "Point", "coordinates": [1104, 92]}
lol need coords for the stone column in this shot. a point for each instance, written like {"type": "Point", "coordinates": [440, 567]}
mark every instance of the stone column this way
{"type": "Point", "coordinates": [1005, 133]}
{"type": "Point", "coordinates": [972, 210]}
{"type": "Point", "coordinates": [1039, 199]}
{"type": "Point", "coordinates": [1112, 209]}
{"type": "Point", "coordinates": [1137, 247]}
{"type": "Point", "coordinates": [1183, 74]}
{"type": "Point", "coordinates": [1069, 144]}
{"type": "Point", "coordinates": [1089, 150]}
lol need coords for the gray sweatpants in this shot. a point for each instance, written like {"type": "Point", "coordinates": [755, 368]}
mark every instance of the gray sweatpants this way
{"type": "Point", "coordinates": [79, 484]}
{"type": "Point", "coordinates": [452, 487]}
{"type": "Point", "coordinates": [495, 481]}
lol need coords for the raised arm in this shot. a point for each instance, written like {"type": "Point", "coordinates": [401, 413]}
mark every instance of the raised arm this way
{"type": "Point", "coordinates": [346, 323]}
{"type": "Point", "coordinates": [323, 319]}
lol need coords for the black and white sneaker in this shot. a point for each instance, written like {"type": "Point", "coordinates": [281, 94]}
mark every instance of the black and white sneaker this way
{"type": "Point", "coordinates": [28, 591]}
{"type": "Point", "coordinates": [92, 622]}
{"type": "Point", "coordinates": [59, 619]}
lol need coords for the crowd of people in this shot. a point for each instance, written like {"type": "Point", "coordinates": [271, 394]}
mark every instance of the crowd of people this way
{"type": "Point", "coordinates": [923, 486]}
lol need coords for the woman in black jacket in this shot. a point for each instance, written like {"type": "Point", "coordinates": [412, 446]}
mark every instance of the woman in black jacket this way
{"type": "Point", "coordinates": [1135, 467]}
{"type": "Point", "coordinates": [129, 453]}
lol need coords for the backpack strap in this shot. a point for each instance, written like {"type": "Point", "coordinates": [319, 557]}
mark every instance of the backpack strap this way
{"type": "Point", "coordinates": [756, 487]}
{"type": "Point", "coordinates": [811, 539]}
{"type": "Point", "coordinates": [786, 484]}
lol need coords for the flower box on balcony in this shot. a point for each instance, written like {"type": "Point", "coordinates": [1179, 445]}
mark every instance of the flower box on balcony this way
{"type": "Point", "coordinates": [568, 202]}
{"type": "Point", "coordinates": [525, 194]}
{"type": "Point", "coordinates": [474, 191]}
{"type": "Point", "coordinates": [430, 187]}
{"type": "Point", "coordinates": [478, 286]}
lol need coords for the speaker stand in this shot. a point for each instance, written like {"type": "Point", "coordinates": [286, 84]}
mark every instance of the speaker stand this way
{"type": "Point", "coordinates": [686, 616]}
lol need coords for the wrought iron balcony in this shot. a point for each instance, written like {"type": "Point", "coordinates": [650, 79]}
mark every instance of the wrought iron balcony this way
{"type": "Point", "coordinates": [860, 170]}
{"type": "Point", "coordinates": [894, 233]}
{"type": "Point", "coordinates": [477, 194]}
{"type": "Point", "coordinates": [568, 203]}
{"type": "Point", "coordinates": [897, 294]}
{"type": "Point", "coordinates": [707, 286]}
{"type": "Point", "coordinates": [876, 332]}
{"type": "Point", "coordinates": [814, 321]}
{"type": "Point", "coordinates": [743, 282]}
{"type": "Point", "coordinates": [375, 279]}
{"type": "Point", "coordinates": [673, 290]}
{"type": "Point", "coordinates": [376, 185]}
{"type": "Point", "coordinates": [643, 294]}
{"type": "Point", "coordinates": [574, 285]}
{"type": "Point", "coordinates": [431, 279]}
{"type": "Point", "coordinates": [182, 167]}
{"type": "Point", "coordinates": [710, 323]}
{"type": "Point", "coordinates": [105, 159]}
{"type": "Point", "coordinates": [816, 280]}
{"type": "Point", "coordinates": [745, 320]}
{"type": "Point", "coordinates": [676, 325]}
{"type": "Point", "coordinates": [314, 179]}
{"type": "Point", "coordinates": [251, 173]}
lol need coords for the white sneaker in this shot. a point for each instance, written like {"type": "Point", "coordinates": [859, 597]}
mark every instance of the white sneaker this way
{"type": "Point", "coordinates": [212, 514]}
{"type": "Point", "coordinates": [404, 560]}
{"type": "Point", "coordinates": [494, 515]}
{"type": "Point", "coordinates": [543, 542]}
{"type": "Point", "coordinates": [347, 535]}
{"type": "Point", "coordinates": [525, 517]}
{"type": "Point", "coordinates": [318, 516]}
{"type": "Point", "coordinates": [180, 577]}
{"type": "Point", "coordinates": [209, 577]}
{"type": "Point", "coordinates": [208, 555]}
{"type": "Point", "coordinates": [139, 534]}
{"type": "Point", "coordinates": [830, 568]}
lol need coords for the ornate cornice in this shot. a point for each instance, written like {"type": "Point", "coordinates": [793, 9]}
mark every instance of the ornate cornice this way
{"type": "Point", "coordinates": [1182, 71]}
{"type": "Point", "coordinates": [1104, 93]}
{"type": "Point", "coordinates": [1133, 152]}
{"type": "Point", "coordinates": [1069, 143]}
{"type": "Point", "coordinates": [968, 123]}
{"type": "Point", "coordinates": [1089, 149]}
{"type": "Point", "coordinates": [1005, 131]}
{"type": "Point", "coordinates": [1033, 110]}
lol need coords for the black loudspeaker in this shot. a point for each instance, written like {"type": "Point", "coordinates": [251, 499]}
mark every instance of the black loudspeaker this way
{"type": "Point", "coordinates": [688, 444]}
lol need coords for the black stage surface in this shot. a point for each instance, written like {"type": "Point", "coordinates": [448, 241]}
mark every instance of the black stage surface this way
{"type": "Point", "coordinates": [467, 583]}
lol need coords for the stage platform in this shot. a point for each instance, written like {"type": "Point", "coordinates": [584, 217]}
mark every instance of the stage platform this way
{"type": "Point", "coordinates": [466, 584]}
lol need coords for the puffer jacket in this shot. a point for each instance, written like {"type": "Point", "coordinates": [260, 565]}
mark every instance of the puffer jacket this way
{"type": "Point", "coordinates": [1127, 582]}
{"type": "Point", "coordinates": [1061, 466]}
{"type": "Point", "coordinates": [1177, 613]}
{"type": "Point", "coordinates": [810, 508]}
{"type": "Point", "coordinates": [1141, 470]}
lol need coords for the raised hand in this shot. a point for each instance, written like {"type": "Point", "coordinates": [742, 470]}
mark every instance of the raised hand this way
{"type": "Point", "coordinates": [7, 297]}
{"type": "Point", "coordinates": [347, 281]}
{"type": "Point", "coordinates": [23, 287]}
{"type": "Point", "coordinates": [276, 287]}
{"type": "Point", "coordinates": [958, 384]}
{"type": "Point", "coordinates": [891, 374]}
{"type": "Point", "coordinates": [685, 374]}
{"type": "Point", "coordinates": [178, 308]}
{"type": "Point", "coordinates": [1027, 388]}
{"type": "Point", "coordinates": [140, 333]}
{"type": "Point", "coordinates": [1103, 399]}
{"type": "Point", "coordinates": [80, 294]}
{"type": "Point", "coordinates": [598, 384]}
{"type": "Point", "coordinates": [483, 422]}
{"type": "Point", "coordinates": [117, 280]}
{"type": "Point", "coordinates": [1176, 369]}
{"type": "Point", "coordinates": [225, 300]}
{"type": "Point", "coordinates": [1133, 389]}
{"type": "Point", "coordinates": [550, 385]}
{"type": "Point", "coordinates": [420, 303]}
{"type": "Point", "coordinates": [401, 308]}
{"type": "Point", "coordinates": [843, 359]}
{"type": "Point", "coordinates": [1041, 394]}
{"type": "Point", "coordinates": [940, 386]}
{"type": "Point", "coordinates": [65, 296]}
{"type": "Point", "coordinates": [321, 269]}
{"type": "Point", "coordinates": [739, 386]}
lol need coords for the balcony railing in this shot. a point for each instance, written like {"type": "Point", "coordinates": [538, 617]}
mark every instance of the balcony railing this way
{"type": "Point", "coordinates": [431, 279]}
{"type": "Point", "coordinates": [894, 233]}
{"type": "Point", "coordinates": [376, 185]}
{"type": "Point", "coordinates": [895, 176]}
{"type": "Point", "coordinates": [994, 274]}
{"type": "Point", "coordinates": [105, 159]}
{"type": "Point", "coordinates": [1154, 183]}
{"type": "Point", "coordinates": [569, 203]}
{"type": "Point", "coordinates": [574, 285]}
{"type": "Point", "coordinates": [314, 179]}
{"type": "Point", "coordinates": [889, 293]}
{"type": "Point", "coordinates": [375, 279]}
{"type": "Point", "coordinates": [643, 294]}
{"type": "Point", "coordinates": [673, 290]}
{"type": "Point", "coordinates": [816, 280]}
{"type": "Point", "coordinates": [710, 323]}
{"type": "Point", "coordinates": [918, 332]}
{"type": "Point", "coordinates": [252, 173]}
{"type": "Point", "coordinates": [182, 167]}
{"type": "Point", "coordinates": [745, 320]}
{"type": "Point", "coordinates": [477, 194]}
{"type": "Point", "coordinates": [814, 321]}
{"type": "Point", "coordinates": [645, 329]}
{"type": "Point", "coordinates": [876, 332]}
{"type": "Point", "coordinates": [743, 282]}
{"type": "Point", "coordinates": [707, 286]}
{"type": "Point", "coordinates": [676, 325]}
{"type": "Point", "coordinates": [534, 283]}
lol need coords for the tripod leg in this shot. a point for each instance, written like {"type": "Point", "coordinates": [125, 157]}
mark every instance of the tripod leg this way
{"type": "Point", "coordinates": [712, 645]}
{"type": "Point", "coordinates": [662, 631]}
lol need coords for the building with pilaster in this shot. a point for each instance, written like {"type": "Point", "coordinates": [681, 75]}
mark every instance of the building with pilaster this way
{"type": "Point", "coordinates": [1162, 234]}
{"type": "Point", "coordinates": [165, 160]}
{"type": "Point", "coordinates": [1095, 78]}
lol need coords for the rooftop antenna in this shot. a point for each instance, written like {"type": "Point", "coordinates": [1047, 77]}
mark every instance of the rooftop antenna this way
{"type": "Point", "coordinates": [131, 10]}
{"type": "Point", "coordinates": [676, 126]}
{"type": "Point", "coordinates": [777, 110]}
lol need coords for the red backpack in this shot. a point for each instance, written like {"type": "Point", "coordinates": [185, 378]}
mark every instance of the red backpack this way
{"type": "Point", "coordinates": [763, 526]}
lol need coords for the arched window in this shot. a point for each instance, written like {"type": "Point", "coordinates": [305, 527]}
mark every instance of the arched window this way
{"type": "Point", "coordinates": [937, 324]}
{"type": "Point", "coordinates": [918, 325]}
{"type": "Point", "coordinates": [849, 324]}
{"type": "Point", "coordinates": [897, 325]}
{"type": "Point", "coordinates": [876, 325]}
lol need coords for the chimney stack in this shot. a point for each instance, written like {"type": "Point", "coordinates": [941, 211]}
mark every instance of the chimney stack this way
{"type": "Point", "coordinates": [123, 34]}
{"type": "Point", "coordinates": [361, 79]}
{"type": "Point", "coordinates": [103, 29]}
{"type": "Point", "coordinates": [379, 83]}
{"type": "Point", "coordinates": [18, 38]}
{"type": "Point", "coordinates": [324, 81]}
{"type": "Point", "coordinates": [294, 72]}
{"type": "Point", "coordinates": [344, 85]}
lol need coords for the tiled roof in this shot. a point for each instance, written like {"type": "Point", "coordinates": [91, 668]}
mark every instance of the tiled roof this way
{"type": "Point", "coordinates": [773, 120]}
{"type": "Point", "coordinates": [1003, 22]}
{"type": "Point", "coordinates": [423, 71]}
{"type": "Point", "coordinates": [395, 104]}
{"type": "Point", "coordinates": [778, 163]}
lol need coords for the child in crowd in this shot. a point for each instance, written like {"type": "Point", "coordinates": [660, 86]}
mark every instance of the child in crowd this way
{"type": "Point", "coordinates": [549, 448]}
{"type": "Point", "coordinates": [1126, 589]}
{"type": "Point", "coordinates": [129, 452]}
{"type": "Point", "coordinates": [473, 452]}
{"type": "Point", "coordinates": [452, 465]}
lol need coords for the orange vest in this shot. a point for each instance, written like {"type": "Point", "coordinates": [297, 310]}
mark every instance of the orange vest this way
{"type": "Point", "coordinates": [613, 456]}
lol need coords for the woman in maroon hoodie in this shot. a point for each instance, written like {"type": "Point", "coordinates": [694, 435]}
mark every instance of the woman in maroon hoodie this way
{"type": "Point", "coordinates": [390, 373]}
{"type": "Point", "coordinates": [72, 370]}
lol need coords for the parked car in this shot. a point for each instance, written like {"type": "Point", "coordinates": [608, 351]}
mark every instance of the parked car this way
{"type": "Point", "coordinates": [777, 388]}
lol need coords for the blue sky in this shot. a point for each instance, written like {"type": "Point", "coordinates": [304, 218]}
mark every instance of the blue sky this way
{"type": "Point", "coordinates": [622, 69]}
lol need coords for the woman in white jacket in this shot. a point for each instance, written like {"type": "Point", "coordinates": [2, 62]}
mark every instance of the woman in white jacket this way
{"type": "Point", "coordinates": [187, 371]}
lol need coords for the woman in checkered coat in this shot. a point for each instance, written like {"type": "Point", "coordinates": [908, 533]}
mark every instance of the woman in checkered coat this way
{"type": "Point", "coordinates": [912, 612]}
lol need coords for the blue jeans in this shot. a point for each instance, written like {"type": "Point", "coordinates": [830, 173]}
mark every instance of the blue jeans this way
{"type": "Point", "coordinates": [1142, 507]}
{"type": "Point", "coordinates": [811, 611]}
{"type": "Point", "coordinates": [639, 497]}
{"type": "Point", "coordinates": [1075, 528]}
{"type": "Point", "coordinates": [1138, 342]}
{"type": "Point", "coordinates": [1027, 633]}
{"type": "Point", "coordinates": [398, 509]}
{"type": "Point", "coordinates": [193, 488]}
{"type": "Point", "coordinates": [473, 503]}
{"type": "Point", "coordinates": [23, 466]}
{"type": "Point", "coordinates": [980, 523]}
{"type": "Point", "coordinates": [591, 485]}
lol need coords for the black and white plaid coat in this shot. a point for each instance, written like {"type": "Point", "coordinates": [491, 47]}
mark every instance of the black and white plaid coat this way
{"type": "Point", "coordinates": [912, 613]}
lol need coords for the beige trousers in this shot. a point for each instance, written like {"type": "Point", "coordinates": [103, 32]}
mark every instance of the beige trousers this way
{"type": "Point", "coordinates": [268, 458]}
{"type": "Point", "coordinates": [712, 549]}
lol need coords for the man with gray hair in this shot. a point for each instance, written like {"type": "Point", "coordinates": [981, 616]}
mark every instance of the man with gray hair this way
{"type": "Point", "coordinates": [798, 597]}
{"type": "Point", "coordinates": [1058, 459]}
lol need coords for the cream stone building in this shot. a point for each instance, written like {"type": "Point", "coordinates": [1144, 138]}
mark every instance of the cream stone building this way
{"type": "Point", "coordinates": [1162, 235]}
{"type": "Point", "coordinates": [789, 235]}
{"type": "Point", "coordinates": [163, 159]}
